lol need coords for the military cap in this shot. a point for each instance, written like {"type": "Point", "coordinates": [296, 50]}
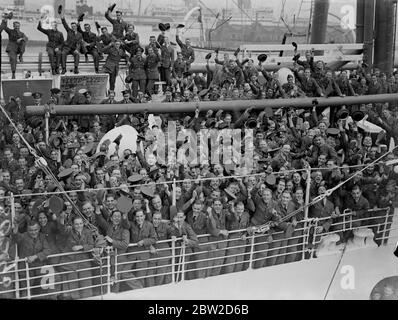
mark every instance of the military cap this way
{"type": "Point", "coordinates": [333, 131]}
{"type": "Point", "coordinates": [37, 95]}
{"type": "Point", "coordinates": [162, 27]}
{"type": "Point", "coordinates": [55, 91]}
{"type": "Point", "coordinates": [65, 173]}
{"type": "Point", "coordinates": [262, 57]}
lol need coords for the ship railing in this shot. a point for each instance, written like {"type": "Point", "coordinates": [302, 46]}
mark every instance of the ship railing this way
{"type": "Point", "coordinates": [77, 275]}
{"type": "Point", "coordinates": [346, 52]}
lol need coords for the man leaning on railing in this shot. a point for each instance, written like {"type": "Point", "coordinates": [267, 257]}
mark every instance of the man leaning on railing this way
{"type": "Point", "coordinates": [118, 238]}
{"type": "Point", "coordinates": [33, 249]}
{"type": "Point", "coordinates": [78, 281]}
{"type": "Point", "coordinates": [143, 236]}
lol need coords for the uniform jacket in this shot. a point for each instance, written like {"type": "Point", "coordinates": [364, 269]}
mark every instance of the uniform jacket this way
{"type": "Point", "coordinates": [27, 246]}
{"type": "Point", "coordinates": [119, 27]}
{"type": "Point", "coordinates": [262, 211]}
{"type": "Point", "coordinates": [73, 40]}
{"type": "Point", "coordinates": [113, 59]}
{"type": "Point", "coordinates": [178, 68]}
{"type": "Point", "coordinates": [188, 53]}
{"type": "Point", "coordinates": [322, 209]}
{"type": "Point", "coordinates": [88, 37]}
{"type": "Point", "coordinates": [13, 36]}
{"type": "Point", "coordinates": [137, 68]}
{"type": "Point", "coordinates": [55, 38]}
{"type": "Point", "coordinates": [146, 233]}
{"type": "Point", "coordinates": [106, 39]}
{"type": "Point", "coordinates": [152, 63]}
{"type": "Point", "coordinates": [152, 45]}
{"type": "Point", "coordinates": [74, 239]}
{"type": "Point", "coordinates": [185, 230]}
{"type": "Point", "coordinates": [167, 56]}
{"type": "Point", "coordinates": [235, 222]}
{"type": "Point", "coordinates": [359, 207]}
{"type": "Point", "coordinates": [131, 47]}
{"type": "Point", "coordinates": [310, 86]}
{"type": "Point", "coordinates": [119, 234]}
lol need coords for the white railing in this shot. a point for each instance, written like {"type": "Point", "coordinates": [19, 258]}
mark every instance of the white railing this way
{"type": "Point", "coordinates": [174, 262]}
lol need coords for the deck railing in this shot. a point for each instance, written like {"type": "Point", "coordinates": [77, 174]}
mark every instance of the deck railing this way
{"type": "Point", "coordinates": [66, 276]}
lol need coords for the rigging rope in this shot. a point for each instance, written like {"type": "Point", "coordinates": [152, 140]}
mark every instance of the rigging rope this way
{"type": "Point", "coordinates": [42, 164]}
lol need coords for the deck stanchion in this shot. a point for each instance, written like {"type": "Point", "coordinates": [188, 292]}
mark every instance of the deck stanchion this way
{"type": "Point", "coordinates": [173, 256]}
{"type": "Point", "coordinates": [47, 126]}
{"type": "Point", "coordinates": [28, 294]}
{"type": "Point", "coordinates": [16, 273]}
{"type": "Point", "coordinates": [108, 265]}
{"type": "Point", "coordinates": [251, 251]}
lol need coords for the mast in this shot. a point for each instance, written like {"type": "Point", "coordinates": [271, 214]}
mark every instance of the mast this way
{"type": "Point", "coordinates": [384, 42]}
{"type": "Point", "coordinates": [319, 22]}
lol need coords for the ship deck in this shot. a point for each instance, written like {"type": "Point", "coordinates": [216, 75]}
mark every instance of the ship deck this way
{"type": "Point", "coordinates": [304, 280]}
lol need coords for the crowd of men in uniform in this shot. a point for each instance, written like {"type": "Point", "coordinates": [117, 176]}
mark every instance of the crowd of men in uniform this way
{"type": "Point", "coordinates": [213, 200]}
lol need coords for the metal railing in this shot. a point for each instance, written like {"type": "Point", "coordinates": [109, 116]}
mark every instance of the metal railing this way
{"type": "Point", "coordinates": [76, 275]}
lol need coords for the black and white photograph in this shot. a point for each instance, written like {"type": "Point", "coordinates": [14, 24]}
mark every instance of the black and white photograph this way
{"type": "Point", "coordinates": [212, 152]}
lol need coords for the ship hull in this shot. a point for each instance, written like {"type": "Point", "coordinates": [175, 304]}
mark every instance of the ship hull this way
{"type": "Point", "coordinates": [357, 274]}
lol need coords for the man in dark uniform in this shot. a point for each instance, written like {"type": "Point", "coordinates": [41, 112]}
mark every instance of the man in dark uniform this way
{"type": "Point", "coordinates": [152, 71]}
{"type": "Point", "coordinates": [33, 246]}
{"type": "Point", "coordinates": [179, 67]}
{"type": "Point", "coordinates": [124, 119]}
{"type": "Point", "coordinates": [309, 85]}
{"type": "Point", "coordinates": [90, 44]}
{"type": "Point", "coordinates": [104, 40]}
{"type": "Point", "coordinates": [16, 44]}
{"type": "Point", "coordinates": [152, 44]}
{"type": "Point", "coordinates": [54, 45]}
{"type": "Point", "coordinates": [115, 54]}
{"type": "Point", "coordinates": [187, 51]}
{"type": "Point", "coordinates": [72, 45]}
{"type": "Point", "coordinates": [137, 72]}
{"type": "Point", "coordinates": [119, 26]}
{"type": "Point", "coordinates": [131, 40]}
{"type": "Point", "coordinates": [167, 60]}
{"type": "Point", "coordinates": [16, 110]}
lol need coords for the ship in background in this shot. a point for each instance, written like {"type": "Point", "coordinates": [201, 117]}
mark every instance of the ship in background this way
{"type": "Point", "coordinates": [238, 22]}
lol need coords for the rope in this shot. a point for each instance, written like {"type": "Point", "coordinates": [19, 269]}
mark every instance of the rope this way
{"type": "Point", "coordinates": [42, 164]}
{"type": "Point", "coordinates": [266, 226]}
{"type": "Point", "coordinates": [335, 271]}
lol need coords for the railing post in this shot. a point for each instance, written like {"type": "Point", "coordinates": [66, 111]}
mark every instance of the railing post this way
{"type": "Point", "coordinates": [251, 251]}
{"type": "Point", "coordinates": [108, 265]}
{"type": "Point", "coordinates": [314, 239]}
{"type": "Point", "coordinates": [306, 236]}
{"type": "Point", "coordinates": [173, 255]}
{"type": "Point", "coordinates": [116, 265]}
{"type": "Point", "coordinates": [12, 203]}
{"type": "Point", "coordinates": [27, 280]}
{"type": "Point", "coordinates": [47, 126]}
{"type": "Point", "coordinates": [183, 263]}
{"type": "Point", "coordinates": [385, 226]}
{"type": "Point", "coordinates": [16, 273]}
{"type": "Point", "coordinates": [174, 200]}
{"type": "Point", "coordinates": [307, 194]}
